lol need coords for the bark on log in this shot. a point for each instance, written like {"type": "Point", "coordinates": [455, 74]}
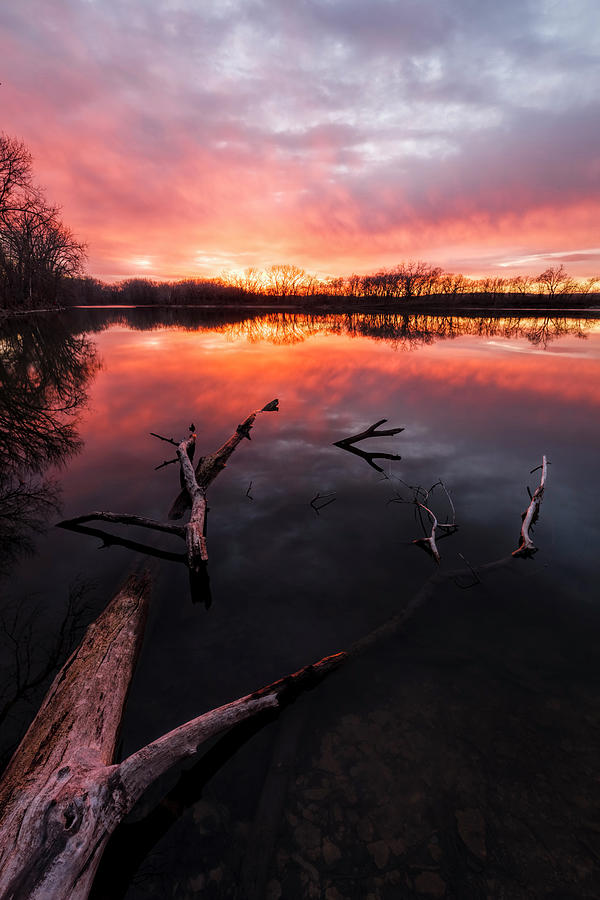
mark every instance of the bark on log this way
{"type": "Point", "coordinates": [61, 796]}
{"type": "Point", "coordinates": [195, 530]}
{"type": "Point", "coordinates": [58, 795]}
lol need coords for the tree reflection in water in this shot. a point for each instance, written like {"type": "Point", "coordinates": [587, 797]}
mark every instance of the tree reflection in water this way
{"type": "Point", "coordinates": [402, 330]}
{"type": "Point", "coordinates": [44, 374]}
{"type": "Point", "coordinates": [45, 371]}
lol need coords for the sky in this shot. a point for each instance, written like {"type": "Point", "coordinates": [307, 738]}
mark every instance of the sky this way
{"type": "Point", "coordinates": [189, 137]}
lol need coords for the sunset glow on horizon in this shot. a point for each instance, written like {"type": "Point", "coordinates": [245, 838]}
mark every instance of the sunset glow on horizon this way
{"type": "Point", "coordinates": [186, 139]}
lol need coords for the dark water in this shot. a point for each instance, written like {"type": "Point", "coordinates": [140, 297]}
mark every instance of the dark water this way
{"type": "Point", "coordinates": [457, 759]}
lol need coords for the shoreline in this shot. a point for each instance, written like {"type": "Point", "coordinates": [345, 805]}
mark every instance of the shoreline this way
{"type": "Point", "coordinates": [325, 309]}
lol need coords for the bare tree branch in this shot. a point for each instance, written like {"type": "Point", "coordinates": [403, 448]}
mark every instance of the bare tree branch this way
{"type": "Point", "coordinates": [420, 495]}
{"type": "Point", "coordinates": [193, 494]}
{"type": "Point", "coordinates": [123, 519]}
{"type": "Point", "coordinates": [530, 516]}
{"type": "Point", "coordinates": [348, 443]}
{"type": "Point", "coordinates": [208, 467]}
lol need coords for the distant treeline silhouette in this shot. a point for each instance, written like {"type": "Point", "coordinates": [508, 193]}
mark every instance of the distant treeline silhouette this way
{"type": "Point", "coordinates": [409, 283]}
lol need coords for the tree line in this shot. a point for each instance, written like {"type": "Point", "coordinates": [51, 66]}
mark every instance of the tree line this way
{"type": "Point", "coordinates": [406, 282]}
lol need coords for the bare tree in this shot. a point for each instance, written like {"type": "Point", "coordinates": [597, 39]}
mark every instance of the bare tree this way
{"type": "Point", "coordinates": [556, 281]}
{"type": "Point", "coordinates": [15, 172]}
{"type": "Point", "coordinates": [285, 280]}
{"type": "Point", "coordinates": [37, 251]}
{"type": "Point", "coordinates": [521, 284]}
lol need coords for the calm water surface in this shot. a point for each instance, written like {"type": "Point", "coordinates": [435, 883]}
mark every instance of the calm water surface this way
{"type": "Point", "coordinates": [457, 759]}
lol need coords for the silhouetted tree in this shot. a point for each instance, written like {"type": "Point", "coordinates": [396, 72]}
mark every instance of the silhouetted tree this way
{"type": "Point", "coordinates": [555, 280]}
{"type": "Point", "coordinates": [37, 251]}
{"type": "Point", "coordinates": [285, 280]}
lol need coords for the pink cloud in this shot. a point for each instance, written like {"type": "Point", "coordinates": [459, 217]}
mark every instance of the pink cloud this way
{"type": "Point", "coordinates": [179, 144]}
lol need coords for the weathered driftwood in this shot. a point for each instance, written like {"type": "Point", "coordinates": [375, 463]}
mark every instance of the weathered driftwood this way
{"type": "Point", "coordinates": [195, 530]}
{"type": "Point", "coordinates": [58, 794]}
{"type": "Point", "coordinates": [348, 443]}
{"type": "Point", "coordinates": [527, 547]}
{"type": "Point", "coordinates": [208, 467]}
{"type": "Point", "coordinates": [193, 494]}
{"type": "Point", "coordinates": [123, 519]}
{"type": "Point", "coordinates": [61, 795]}
{"type": "Point", "coordinates": [429, 543]}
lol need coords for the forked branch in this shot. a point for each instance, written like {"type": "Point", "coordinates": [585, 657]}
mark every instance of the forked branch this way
{"type": "Point", "coordinates": [193, 495]}
{"type": "Point", "coordinates": [208, 467]}
{"type": "Point", "coordinates": [349, 442]}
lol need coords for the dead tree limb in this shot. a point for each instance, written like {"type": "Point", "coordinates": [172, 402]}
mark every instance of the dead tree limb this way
{"type": "Point", "coordinates": [195, 530]}
{"type": "Point", "coordinates": [429, 543]}
{"type": "Point", "coordinates": [113, 540]}
{"type": "Point", "coordinates": [58, 793]}
{"type": "Point", "coordinates": [123, 519]}
{"type": "Point", "coordinates": [62, 796]}
{"type": "Point", "coordinates": [348, 443]}
{"type": "Point", "coordinates": [530, 516]}
{"type": "Point", "coordinates": [193, 494]}
{"type": "Point", "coordinates": [419, 499]}
{"type": "Point", "coordinates": [161, 438]}
{"type": "Point", "coordinates": [208, 467]}
{"type": "Point", "coordinates": [326, 498]}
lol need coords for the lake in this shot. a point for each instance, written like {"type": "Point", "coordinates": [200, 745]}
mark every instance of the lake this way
{"type": "Point", "coordinates": [456, 758]}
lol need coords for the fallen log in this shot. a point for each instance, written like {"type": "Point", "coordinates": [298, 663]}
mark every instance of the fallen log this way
{"type": "Point", "coordinates": [61, 795]}
{"type": "Point", "coordinates": [58, 793]}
